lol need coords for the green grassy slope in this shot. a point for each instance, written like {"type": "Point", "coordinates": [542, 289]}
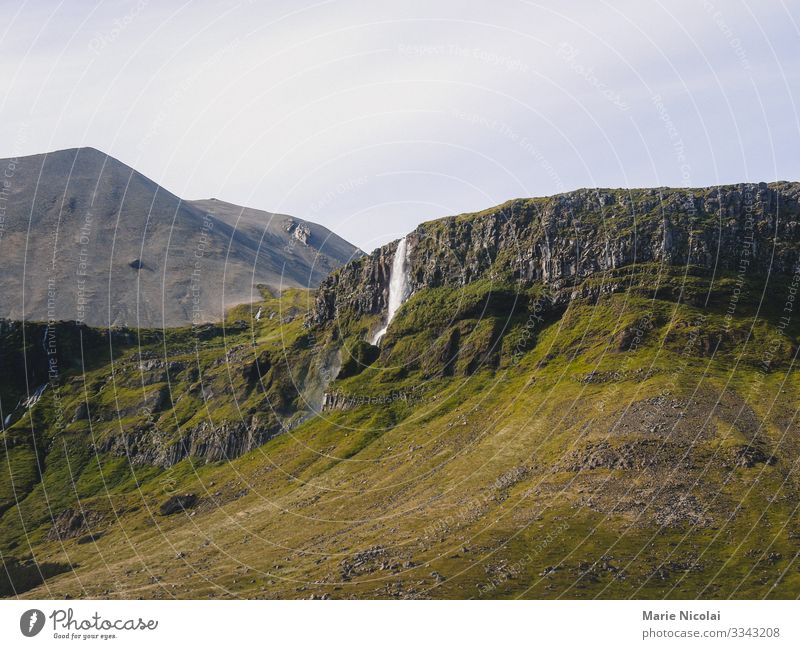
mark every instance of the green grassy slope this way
{"type": "Point", "coordinates": [638, 442]}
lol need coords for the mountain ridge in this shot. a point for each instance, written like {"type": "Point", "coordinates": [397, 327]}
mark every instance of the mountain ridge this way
{"type": "Point", "coordinates": [537, 239]}
{"type": "Point", "coordinates": [88, 238]}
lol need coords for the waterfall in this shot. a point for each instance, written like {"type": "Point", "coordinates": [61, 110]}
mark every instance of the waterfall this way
{"type": "Point", "coordinates": [398, 287]}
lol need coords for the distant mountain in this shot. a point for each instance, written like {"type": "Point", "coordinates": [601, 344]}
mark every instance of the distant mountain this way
{"type": "Point", "coordinates": [86, 237]}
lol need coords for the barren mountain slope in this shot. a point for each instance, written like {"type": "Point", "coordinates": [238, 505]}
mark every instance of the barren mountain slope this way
{"type": "Point", "coordinates": [85, 237]}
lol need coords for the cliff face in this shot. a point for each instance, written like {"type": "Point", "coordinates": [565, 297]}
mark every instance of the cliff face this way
{"type": "Point", "coordinates": [559, 240]}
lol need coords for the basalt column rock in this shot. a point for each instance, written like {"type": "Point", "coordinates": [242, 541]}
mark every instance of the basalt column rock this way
{"type": "Point", "coordinates": [563, 239]}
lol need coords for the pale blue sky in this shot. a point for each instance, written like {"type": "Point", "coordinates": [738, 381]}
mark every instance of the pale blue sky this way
{"type": "Point", "coordinates": [370, 117]}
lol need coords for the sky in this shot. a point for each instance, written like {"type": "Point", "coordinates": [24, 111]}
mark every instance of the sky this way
{"type": "Point", "coordinates": [372, 117]}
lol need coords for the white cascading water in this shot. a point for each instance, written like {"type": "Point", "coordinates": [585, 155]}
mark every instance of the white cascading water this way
{"type": "Point", "coordinates": [398, 287]}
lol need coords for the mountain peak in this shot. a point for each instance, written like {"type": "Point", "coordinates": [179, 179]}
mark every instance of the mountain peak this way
{"type": "Point", "coordinates": [145, 256]}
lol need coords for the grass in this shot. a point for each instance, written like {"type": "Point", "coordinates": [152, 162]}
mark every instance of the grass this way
{"type": "Point", "coordinates": [457, 474]}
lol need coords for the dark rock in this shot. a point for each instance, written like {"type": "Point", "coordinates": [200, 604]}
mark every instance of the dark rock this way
{"type": "Point", "coordinates": [258, 370]}
{"type": "Point", "coordinates": [72, 523]}
{"type": "Point", "coordinates": [361, 563]}
{"type": "Point", "coordinates": [563, 239]}
{"type": "Point", "coordinates": [747, 457]}
{"type": "Point", "coordinates": [177, 504]}
{"type": "Point", "coordinates": [148, 446]}
{"type": "Point", "coordinates": [81, 412]}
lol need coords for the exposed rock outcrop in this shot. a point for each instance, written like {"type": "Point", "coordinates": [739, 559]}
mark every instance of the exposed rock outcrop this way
{"type": "Point", "coordinates": [339, 401]}
{"type": "Point", "coordinates": [72, 523]}
{"type": "Point", "coordinates": [300, 231]}
{"type": "Point", "coordinates": [178, 504]}
{"type": "Point", "coordinates": [210, 442]}
{"type": "Point", "coordinates": [563, 239]}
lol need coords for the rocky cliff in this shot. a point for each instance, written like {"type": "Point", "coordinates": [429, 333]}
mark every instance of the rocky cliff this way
{"type": "Point", "coordinates": [747, 228]}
